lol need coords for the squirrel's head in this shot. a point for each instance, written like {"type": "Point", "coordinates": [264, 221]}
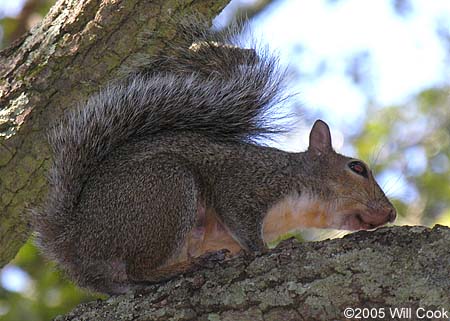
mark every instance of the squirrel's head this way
{"type": "Point", "coordinates": [347, 190]}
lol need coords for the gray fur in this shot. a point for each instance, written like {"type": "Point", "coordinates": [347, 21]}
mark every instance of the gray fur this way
{"type": "Point", "coordinates": [133, 165]}
{"type": "Point", "coordinates": [224, 94]}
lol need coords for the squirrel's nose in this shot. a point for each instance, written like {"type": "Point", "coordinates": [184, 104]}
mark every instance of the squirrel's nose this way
{"type": "Point", "coordinates": [392, 215]}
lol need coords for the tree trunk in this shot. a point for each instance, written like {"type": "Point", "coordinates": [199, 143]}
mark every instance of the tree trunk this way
{"type": "Point", "coordinates": [378, 271]}
{"type": "Point", "coordinates": [78, 47]}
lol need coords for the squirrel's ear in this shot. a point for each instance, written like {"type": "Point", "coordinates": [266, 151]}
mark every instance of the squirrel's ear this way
{"type": "Point", "coordinates": [320, 138]}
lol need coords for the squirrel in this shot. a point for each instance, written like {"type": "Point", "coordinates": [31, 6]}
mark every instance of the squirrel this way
{"type": "Point", "coordinates": [163, 167]}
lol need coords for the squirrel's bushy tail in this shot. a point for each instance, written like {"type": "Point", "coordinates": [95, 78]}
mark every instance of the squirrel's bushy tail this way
{"type": "Point", "coordinates": [208, 87]}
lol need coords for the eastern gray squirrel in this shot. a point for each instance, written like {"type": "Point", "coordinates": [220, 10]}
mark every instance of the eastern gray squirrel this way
{"type": "Point", "coordinates": [161, 168]}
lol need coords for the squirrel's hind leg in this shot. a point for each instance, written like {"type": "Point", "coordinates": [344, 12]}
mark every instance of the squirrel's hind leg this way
{"type": "Point", "coordinates": [172, 199]}
{"type": "Point", "coordinates": [205, 243]}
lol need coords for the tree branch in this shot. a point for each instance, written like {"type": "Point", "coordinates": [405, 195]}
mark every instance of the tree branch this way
{"type": "Point", "coordinates": [387, 268]}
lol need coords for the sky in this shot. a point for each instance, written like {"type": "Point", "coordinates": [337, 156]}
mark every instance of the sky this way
{"type": "Point", "coordinates": [10, 8]}
{"type": "Point", "coordinates": [406, 56]}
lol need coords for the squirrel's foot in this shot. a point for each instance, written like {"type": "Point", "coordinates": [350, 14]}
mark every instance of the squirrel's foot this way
{"type": "Point", "coordinates": [209, 259]}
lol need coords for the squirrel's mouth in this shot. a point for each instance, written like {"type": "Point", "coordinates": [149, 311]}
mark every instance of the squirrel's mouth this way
{"type": "Point", "coordinates": [367, 220]}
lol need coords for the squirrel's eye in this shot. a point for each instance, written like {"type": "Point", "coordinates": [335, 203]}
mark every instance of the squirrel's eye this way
{"type": "Point", "coordinates": [359, 168]}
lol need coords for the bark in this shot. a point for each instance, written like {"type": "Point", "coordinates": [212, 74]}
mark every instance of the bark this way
{"type": "Point", "coordinates": [78, 47]}
{"type": "Point", "coordinates": [388, 268]}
